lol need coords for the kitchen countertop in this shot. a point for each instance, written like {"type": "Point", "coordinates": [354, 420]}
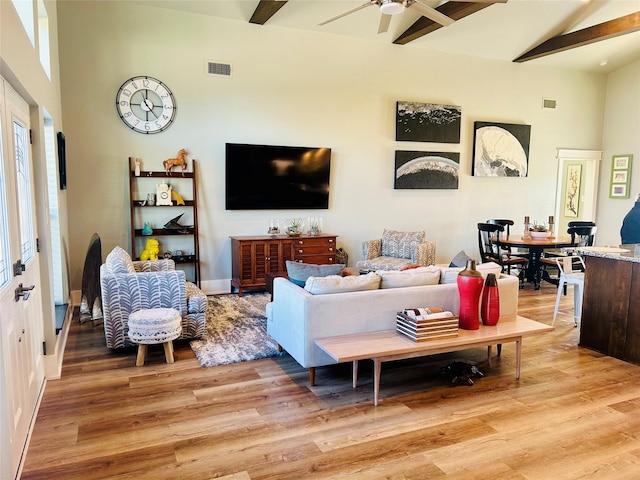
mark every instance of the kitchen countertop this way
{"type": "Point", "coordinates": [627, 253]}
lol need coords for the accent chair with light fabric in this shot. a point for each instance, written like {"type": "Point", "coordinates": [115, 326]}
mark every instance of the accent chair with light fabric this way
{"type": "Point", "coordinates": [128, 286]}
{"type": "Point", "coordinates": [397, 250]}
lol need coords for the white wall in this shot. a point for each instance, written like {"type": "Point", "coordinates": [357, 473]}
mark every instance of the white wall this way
{"type": "Point", "coordinates": [293, 87]}
{"type": "Point", "coordinates": [621, 136]}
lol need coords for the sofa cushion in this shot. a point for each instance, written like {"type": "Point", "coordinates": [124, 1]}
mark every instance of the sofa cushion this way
{"type": "Point", "coordinates": [401, 244]}
{"type": "Point", "coordinates": [450, 274]}
{"type": "Point", "coordinates": [410, 278]}
{"type": "Point", "coordinates": [299, 272]}
{"type": "Point", "coordinates": [119, 261]}
{"type": "Point", "coordinates": [338, 284]}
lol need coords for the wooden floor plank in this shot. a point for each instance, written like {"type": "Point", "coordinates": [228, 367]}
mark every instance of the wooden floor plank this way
{"type": "Point", "coordinates": [574, 413]}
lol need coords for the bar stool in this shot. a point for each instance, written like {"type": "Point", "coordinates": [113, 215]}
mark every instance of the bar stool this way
{"type": "Point", "coordinates": [153, 326]}
{"type": "Point", "coordinates": [568, 276]}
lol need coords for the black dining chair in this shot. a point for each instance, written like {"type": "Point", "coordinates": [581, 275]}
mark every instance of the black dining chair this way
{"type": "Point", "coordinates": [490, 250]}
{"type": "Point", "coordinates": [506, 249]}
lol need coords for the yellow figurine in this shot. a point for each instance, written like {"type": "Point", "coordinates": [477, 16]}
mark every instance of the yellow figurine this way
{"type": "Point", "coordinates": [151, 251]}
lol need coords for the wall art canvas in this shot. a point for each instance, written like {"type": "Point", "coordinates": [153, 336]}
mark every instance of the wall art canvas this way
{"type": "Point", "coordinates": [435, 170]}
{"type": "Point", "coordinates": [428, 122]}
{"type": "Point", "coordinates": [572, 190]}
{"type": "Point", "coordinates": [500, 149]}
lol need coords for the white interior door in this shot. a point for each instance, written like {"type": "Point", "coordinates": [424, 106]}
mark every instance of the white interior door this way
{"type": "Point", "coordinates": [21, 331]}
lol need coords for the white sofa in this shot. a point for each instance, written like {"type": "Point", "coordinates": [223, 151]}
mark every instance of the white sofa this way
{"type": "Point", "coordinates": [295, 317]}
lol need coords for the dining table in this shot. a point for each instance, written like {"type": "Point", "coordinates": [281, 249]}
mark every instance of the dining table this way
{"type": "Point", "coordinates": [535, 248]}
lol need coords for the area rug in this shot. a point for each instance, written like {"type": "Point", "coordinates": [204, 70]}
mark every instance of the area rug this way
{"type": "Point", "coordinates": [236, 330]}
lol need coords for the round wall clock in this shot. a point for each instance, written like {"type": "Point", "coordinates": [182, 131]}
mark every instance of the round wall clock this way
{"type": "Point", "coordinates": [146, 105]}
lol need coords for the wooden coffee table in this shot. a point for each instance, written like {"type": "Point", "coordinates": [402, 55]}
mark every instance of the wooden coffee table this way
{"type": "Point", "coordinates": [388, 345]}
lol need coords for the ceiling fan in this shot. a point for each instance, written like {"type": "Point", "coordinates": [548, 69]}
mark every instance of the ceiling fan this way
{"type": "Point", "coordinates": [393, 7]}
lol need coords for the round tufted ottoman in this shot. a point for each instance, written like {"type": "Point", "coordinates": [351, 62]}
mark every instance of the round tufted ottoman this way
{"type": "Point", "coordinates": [152, 326]}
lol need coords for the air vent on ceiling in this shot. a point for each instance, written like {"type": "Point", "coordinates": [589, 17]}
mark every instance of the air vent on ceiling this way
{"type": "Point", "coordinates": [219, 68]}
{"type": "Point", "coordinates": [548, 103]}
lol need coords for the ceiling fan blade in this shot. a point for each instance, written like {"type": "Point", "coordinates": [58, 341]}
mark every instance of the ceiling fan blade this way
{"type": "Point", "coordinates": [349, 12]}
{"type": "Point", "coordinates": [431, 13]}
{"type": "Point", "coordinates": [385, 20]}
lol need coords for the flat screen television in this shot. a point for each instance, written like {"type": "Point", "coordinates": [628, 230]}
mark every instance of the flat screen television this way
{"type": "Point", "coordinates": [266, 177]}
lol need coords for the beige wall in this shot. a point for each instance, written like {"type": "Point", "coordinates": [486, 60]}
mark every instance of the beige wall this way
{"type": "Point", "coordinates": [293, 87]}
{"type": "Point", "coordinates": [621, 135]}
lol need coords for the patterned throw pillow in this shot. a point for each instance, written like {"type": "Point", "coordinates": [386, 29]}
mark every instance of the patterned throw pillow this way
{"type": "Point", "coordinates": [299, 272]}
{"type": "Point", "coordinates": [401, 244]}
{"type": "Point", "coordinates": [119, 261]}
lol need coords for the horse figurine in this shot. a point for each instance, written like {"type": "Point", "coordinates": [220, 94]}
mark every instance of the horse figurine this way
{"type": "Point", "coordinates": [179, 161]}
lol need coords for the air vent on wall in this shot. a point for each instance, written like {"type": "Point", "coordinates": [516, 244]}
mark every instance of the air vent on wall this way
{"type": "Point", "coordinates": [218, 68]}
{"type": "Point", "coordinates": [548, 103]}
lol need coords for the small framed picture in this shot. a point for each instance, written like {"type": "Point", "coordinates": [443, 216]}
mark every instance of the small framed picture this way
{"type": "Point", "coordinates": [620, 162]}
{"type": "Point", "coordinates": [619, 191]}
{"type": "Point", "coordinates": [619, 176]}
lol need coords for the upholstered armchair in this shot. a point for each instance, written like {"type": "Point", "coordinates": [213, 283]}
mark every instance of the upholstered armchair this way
{"type": "Point", "coordinates": [396, 250]}
{"type": "Point", "coordinates": [129, 286]}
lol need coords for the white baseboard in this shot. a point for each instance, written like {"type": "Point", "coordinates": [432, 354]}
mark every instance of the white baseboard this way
{"type": "Point", "coordinates": [53, 361]}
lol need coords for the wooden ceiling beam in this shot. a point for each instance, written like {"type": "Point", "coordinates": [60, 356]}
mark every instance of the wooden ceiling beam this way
{"type": "Point", "coordinates": [603, 31]}
{"type": "Point", "coordinates": [422, 26]}
{"type": "Point", "coordinates": [265, 10]}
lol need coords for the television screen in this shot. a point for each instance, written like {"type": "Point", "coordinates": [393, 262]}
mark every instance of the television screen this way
{"type": "Point", "coordinates": [264, 177]}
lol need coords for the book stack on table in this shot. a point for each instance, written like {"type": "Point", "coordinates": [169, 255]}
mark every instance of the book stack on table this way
{"type": "Point", "coordinates": [422, 324]}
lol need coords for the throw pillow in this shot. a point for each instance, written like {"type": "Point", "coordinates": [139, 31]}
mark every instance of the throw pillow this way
{"type": "Point", "coordinates": [460, 260]}
{"type": "Point", "coordinates": [401, 244]}
{"type": "Point", "coordinates": [338, 284]}
{"type": "Point", "coordinates": [450, 274]}
{"type": "Point", "coordinates": [299, 272]}
{"type": "Point", "coordinates": [409, 278]}
{"type": "Point", "coordinates": [119, 261]}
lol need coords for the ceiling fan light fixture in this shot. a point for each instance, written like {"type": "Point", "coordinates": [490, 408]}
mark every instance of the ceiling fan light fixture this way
{"type": "Point", "coordinates": [391, 7]}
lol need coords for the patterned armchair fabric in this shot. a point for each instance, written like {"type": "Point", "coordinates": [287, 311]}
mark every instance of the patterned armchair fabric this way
{"type": "Point", "coordinates": [151, 284]}
{"type": "Point", "coordinates": [397, 250]}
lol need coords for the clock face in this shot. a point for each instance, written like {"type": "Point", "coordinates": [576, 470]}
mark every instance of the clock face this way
{"type": "Point", "coordinates": [146, 105]}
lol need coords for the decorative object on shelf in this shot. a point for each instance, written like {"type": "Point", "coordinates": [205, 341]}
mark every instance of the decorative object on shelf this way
{"type": "Point", "coordinates": [137, 169]}
{"type": "Point", "coordinates": [500, 149]}
{"type": "Point", "coordinates": [315, 225]}
{"type": "Point", "coordinates": [174, 225]}
{"type": "Point", "coordinates": [151, 199]}
{"type": "Point", "coordinates": [490, 306]}
{"type": "Point", "coordinates": [147, 230]}
{"type": "Point", "coordinates": [151, 251]}
{"type": "Point", "coordinates": [163, 194]}
{"type": "Point", "coordinates": [470, 283]}
{"type": "Point", "coordinates": [177, 197]}
{"type": "Point", "coordinates": [167, 254]}
{"type": "Point", "coordinates": [179, 161]}
{"type": "Point", "coordinates": [294, 227]}
{"type": "Point", "coordinates": [146, 105]}
{"type": "Point", "coordinates": [620, 176]}
{"type": "Point", "coordinates": [274, 227]}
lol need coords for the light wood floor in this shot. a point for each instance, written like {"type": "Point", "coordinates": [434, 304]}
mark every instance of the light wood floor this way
{"type": "Point", "coordinates": [574, 414]}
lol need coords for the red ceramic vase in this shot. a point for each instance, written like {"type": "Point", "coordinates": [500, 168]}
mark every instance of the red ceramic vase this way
{"type": "Point", "coordinates": [490, 309]}
{"type": "Point", "coordinates": [470, 283]}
